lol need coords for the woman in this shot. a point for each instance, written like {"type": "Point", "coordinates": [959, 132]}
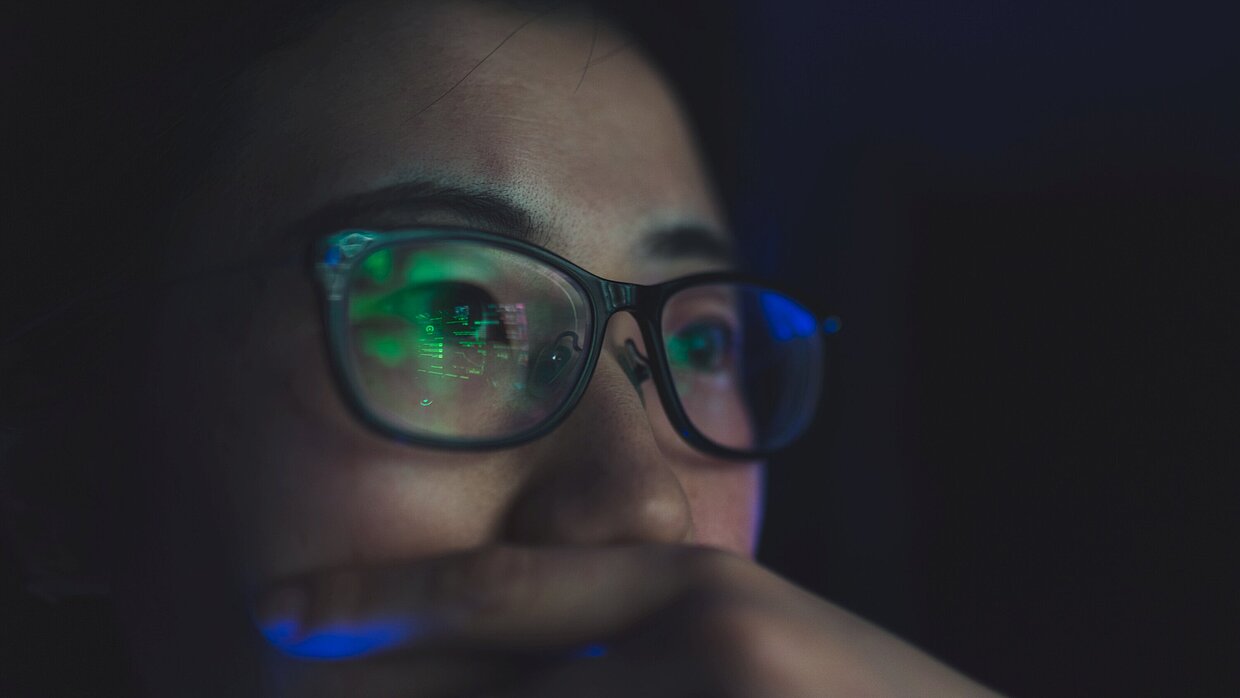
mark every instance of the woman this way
{"type": "Point", "coordinates": [429, 462]}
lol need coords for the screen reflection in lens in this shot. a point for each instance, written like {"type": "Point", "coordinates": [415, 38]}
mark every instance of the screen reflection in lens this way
{"type": "Point", "coordinates": [464, 340]}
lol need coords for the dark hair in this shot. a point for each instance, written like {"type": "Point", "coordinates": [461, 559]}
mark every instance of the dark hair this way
{"type": "Point", "coordinates": [122, 106]}
{"type": "Point", "coordinates": [126, 111]}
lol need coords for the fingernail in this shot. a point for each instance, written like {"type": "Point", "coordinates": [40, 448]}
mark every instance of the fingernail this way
{"type": "Point", "coordinates": [279, 614]}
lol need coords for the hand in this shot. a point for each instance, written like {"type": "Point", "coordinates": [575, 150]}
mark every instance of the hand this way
{"type": "Point", "coordinates": [665, 620]}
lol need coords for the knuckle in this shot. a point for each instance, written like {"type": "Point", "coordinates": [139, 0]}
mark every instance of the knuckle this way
{"type": "Point", "coordinates": [731, 630]}
{"type": "Point", "coordinates": [710, 568]}
{"type": "Point", "coordinates": [487, 580]}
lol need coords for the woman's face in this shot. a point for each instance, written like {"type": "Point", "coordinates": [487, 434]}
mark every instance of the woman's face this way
{"type": "Point", "coordinates": [261, 470]}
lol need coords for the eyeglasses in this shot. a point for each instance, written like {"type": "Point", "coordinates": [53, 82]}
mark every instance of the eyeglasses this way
{"type": "Point", "coordinates": [467, 340]}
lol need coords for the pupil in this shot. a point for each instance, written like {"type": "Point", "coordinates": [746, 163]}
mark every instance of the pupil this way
{"type": "Point", "coordinates": [704, 348]}
{"type": "Point", "coordinates": [552, 363]}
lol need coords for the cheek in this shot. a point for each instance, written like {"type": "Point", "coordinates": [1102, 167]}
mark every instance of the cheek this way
{"type": "Point", "coordinates": [725, 497]}
{"type": "Point", "coordinates": [726, 500]}
{"type": "Point", "coordinates": [305, 502]}
{"type": "Point", "coordinates": [718, 411]}
{"type": "Point", "coordinates": [294, 481]}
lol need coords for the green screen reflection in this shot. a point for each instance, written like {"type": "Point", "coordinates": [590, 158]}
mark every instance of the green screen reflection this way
{"type": "Point", "coordinates": [443, 328]}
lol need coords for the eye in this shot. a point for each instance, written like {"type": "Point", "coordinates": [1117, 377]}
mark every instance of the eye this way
{"type": "Point", "coordinates": [453, 321]}
{"type": "Point", "coordinates": [415, 303]}
{"type": "Point", "coordinates": [703, 346]}
{"type": "Point", "coordinates": [553, 362]}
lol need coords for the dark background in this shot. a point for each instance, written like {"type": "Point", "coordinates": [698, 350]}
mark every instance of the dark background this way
{"type": "Point", "coordinates": [1024, 214]}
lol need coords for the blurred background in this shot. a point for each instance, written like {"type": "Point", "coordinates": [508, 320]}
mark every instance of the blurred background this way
{"type": "Point", "coordinates": [1025, 214]}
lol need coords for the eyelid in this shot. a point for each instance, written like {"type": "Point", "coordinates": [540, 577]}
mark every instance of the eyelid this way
{"type": "Point", "coordinates": [729, 322]}
{"type": "Point", "coordinates": [677, 316]}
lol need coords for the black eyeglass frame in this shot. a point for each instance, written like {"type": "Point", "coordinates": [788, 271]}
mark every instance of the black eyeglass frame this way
{"type": "Point", "coordinates": [337, 254]}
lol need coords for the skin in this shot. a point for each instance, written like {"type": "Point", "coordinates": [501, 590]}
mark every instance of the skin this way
{"type": "Point", "coordinates": [609, 530]}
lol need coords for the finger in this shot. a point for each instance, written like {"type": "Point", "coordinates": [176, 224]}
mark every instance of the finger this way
{"type": "Point", "coordinates": [715, 645]}
{"type": "Point", "coordinates": [507, 597]}
{"type": "Point", "coordinates": [677, 654]}
{"type": "Point", "coordinates": [673, 655]}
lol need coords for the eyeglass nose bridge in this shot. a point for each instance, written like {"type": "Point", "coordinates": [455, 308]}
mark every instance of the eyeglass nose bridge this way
{"type": "Point", "coordinates": [617, 296]}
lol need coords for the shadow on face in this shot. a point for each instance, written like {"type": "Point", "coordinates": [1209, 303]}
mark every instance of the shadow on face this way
{"type": "Point", "coordinates": [541, 124]}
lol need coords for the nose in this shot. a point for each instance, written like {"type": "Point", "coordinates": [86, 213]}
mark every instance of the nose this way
{"type": "Point", "coordinates": [601, 476]}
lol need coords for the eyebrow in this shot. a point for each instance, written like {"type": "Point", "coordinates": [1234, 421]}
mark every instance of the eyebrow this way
{"type": "Point", "coordinates": [689, 241]}
{"type": "Point", "coordinates": [400, 205]}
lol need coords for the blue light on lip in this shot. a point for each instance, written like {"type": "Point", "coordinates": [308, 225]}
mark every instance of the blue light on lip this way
{"type": "Point", "coordinates": [786, 318]}
{"type": "Point", "coordinates": [832, 325]}
{"type": "Point", "coordinates": [280, 632]}
{"type": "Point", "coordinates": [342, 641]}
{"type": "Point", "coordinates": [333, 255]}
{"type": "Point", "coordinates": [591, 652]}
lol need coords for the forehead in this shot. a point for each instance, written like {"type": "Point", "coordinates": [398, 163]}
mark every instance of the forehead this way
{"type": "Point", "coordinates": [552, 110]}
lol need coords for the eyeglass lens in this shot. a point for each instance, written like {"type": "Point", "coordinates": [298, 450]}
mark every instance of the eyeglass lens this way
{"type": "Point", "coordinates": [746, 363]}
{"type": "Point", "coordinates": [464, 341]}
